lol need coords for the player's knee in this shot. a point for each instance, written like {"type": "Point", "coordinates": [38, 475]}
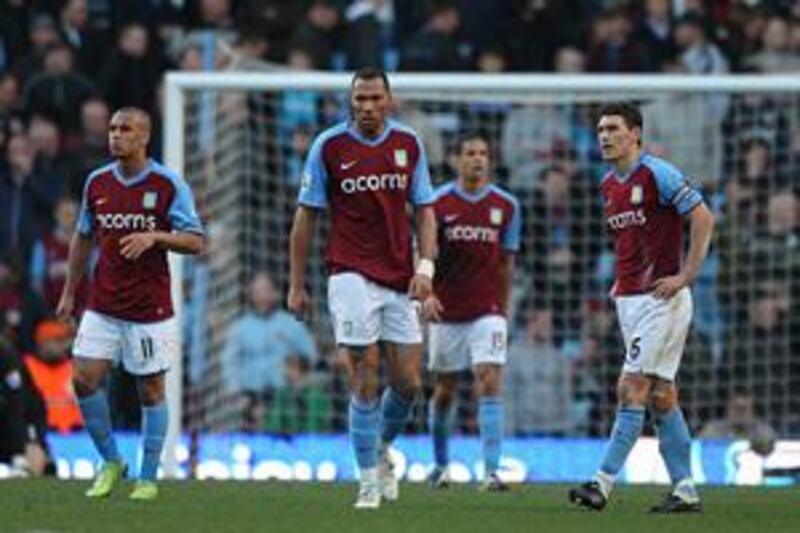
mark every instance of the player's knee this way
{"type": "Point", "coordinates": [407, 387]}
{"type": "Point", "coordinates": [488, 380]}
{"type": "Point", "coordinates": [84, 382]}
{"type": "Point", "coordinates": [443, 394]}
{"type": "Point", "coordinates": [663, 399]}
{"type": "Point", "coordinates": [632, 391]}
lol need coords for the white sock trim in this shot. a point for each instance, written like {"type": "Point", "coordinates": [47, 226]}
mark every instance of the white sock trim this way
{"type": "Point", "coordinates": [369, 475]}
{"type": "Point", "coordinates": [606, 482]}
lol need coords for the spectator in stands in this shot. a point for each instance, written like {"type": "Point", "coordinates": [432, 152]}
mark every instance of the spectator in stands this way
{"type": "Point", "coordinates": [436, 46]}
{"type": "Point", "coordinates": [538, 383]}
{"type": "Point", "coordinates": [214, 15]}
{"type": "Point", "coordinates": [54, 165]}
{"type": "Point", "coordinates": [526, 139]}
{"type": "Point", "coordinates": [43, 35]}
{"type": "Point", "coordinates": [295, 156]}
{"type": "Point", "coordinates": [369, 34]}
{"type": "Point", "coordinates": [699, 55]}
{"type": "Point", "coordinates": [134, 65]}
{"type": "Point", "coordinates": [259, 342]}
{"type": "Point", "coordinates": [563, 220]}
{"type": "Point", "coordinates": [318, 32]}
{"type": "Point", "coordinates": [410, 113]}
{"type": "Point", "coordinates": [22, 444]}
{"type": "Point", "coordinates": [655, 33]}
{"type": "Point", "coordinates": [276, 19]}
{"type": "Point", "coordinates": [774, 253]}
{"type": "Point", "coordinates": [755, 117]}
{"type": "Point", "coordinates": [552, 31]}
{"type": "Point", "coordinates": [58, 92]}
{"type": "Point", "coordinates": [50, 372]}
{"type": "Point", "coordinates": [740, 420]}
{"type": "Point", "coordinates": [614, 49]}
{"type": "Point", "coordinates": [569, 60]}
{"type": "Point", "coordinates": [491, 60]}
{"type": "Point", "coordinates": [90, 149]}
{"type": "Point", "coordinates": [775, 55]}
{"type": "Point", "coordinates": [761, 352]}
{"type": "Point", "coordinates": [299, 107]}
{"type": "Point", "coordinates": [14, 21]}
{"type": "Point", "coordinates": [88, 44]}
{"type": "Point", "coordinates": [24, 199]}
{"type": "Point", "coordinates": [190, 58]}
{"type": "Point", "coordinates": [20, 308]}
{"type": "Point", "coordinates": [9, 95]}
{"type": "Point", "coordinates": [671, 119]}
{"type": "Point", "coordinates": [300, 406]}
{"type": "Point", "coordinates": [794, 36]}
{"type": "Point", "coordinates": [48, 265]}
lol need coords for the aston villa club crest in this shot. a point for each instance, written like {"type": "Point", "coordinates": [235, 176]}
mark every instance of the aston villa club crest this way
{"type": "Point", "coordinates": [401, 158]}
{"type": "Point", "coordinates": [637, 194]}
{"type": "Point", "coordinates": [149, 200]}
{"type": "Point", "coordinates": [496, 216]}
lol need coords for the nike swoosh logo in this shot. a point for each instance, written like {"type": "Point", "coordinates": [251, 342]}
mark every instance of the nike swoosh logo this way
{"type": "Point", "coordinates": [450, 218]}
{"type": "Point", "coordinates": [348, 164]}
{"type": "Point", "coordinates": [101, 201]}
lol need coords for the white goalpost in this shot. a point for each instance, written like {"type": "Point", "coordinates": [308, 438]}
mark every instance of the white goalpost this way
{"type": "Point", "coordinates": [239, 139]}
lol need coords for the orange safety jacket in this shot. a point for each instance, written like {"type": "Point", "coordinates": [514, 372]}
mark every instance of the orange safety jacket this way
{"type": "Point", "coordinates": [54, 383]}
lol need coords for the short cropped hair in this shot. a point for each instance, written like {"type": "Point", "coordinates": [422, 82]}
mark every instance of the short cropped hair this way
{"type": "Point", "coordinates": [371, 74]}
{"type": "Point", "coordinates": [627, 110]}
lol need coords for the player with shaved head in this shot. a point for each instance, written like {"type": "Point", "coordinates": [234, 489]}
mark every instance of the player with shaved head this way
{"type": "Point", "coordinates": [133, 210]}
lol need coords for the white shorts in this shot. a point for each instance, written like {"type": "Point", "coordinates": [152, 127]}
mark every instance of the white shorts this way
{"type": "Point", "coordinates": [654, 332]}
{"type": "Point", "coordinates": [458, 346]}
{"type": "Point", "coordinates": [144, 348]}
{"type": "Point", "coordinates": [364, 312]}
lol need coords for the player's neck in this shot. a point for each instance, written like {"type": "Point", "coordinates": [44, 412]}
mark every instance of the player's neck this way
{"type": "Point", "coordinates": [131, 166]}
{"type": "Point", "coordinates": [473, 186]}
{"type": "Point", "coordinates": [624, 165]}
{"type": "Point", "coordinates": [371, 136]}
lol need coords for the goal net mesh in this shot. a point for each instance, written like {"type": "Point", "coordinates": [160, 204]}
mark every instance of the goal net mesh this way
{"type": "Point", "coordinates": [244, 149]}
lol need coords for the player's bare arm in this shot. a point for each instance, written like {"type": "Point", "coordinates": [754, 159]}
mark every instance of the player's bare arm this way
{"type": "Point", "coordinates": [421, 285]}
{"type": "Point", "coordinates": [133, 245]}
{"type": "Point", "coordinates": [298, 299]}
{"type": "Point", "coordinates": [701, 222]}
{"type": "Point", "coordinates": [506, 279]}
{"type": "Point", "coordinates": [80, 247]}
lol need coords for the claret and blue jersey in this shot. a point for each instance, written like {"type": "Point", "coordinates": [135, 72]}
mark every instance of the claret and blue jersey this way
{"type": "Point", "coordinates": [368, 183]}
{"type": "Point", "coordinates": [475, 231]}
{"type": "Point", "coordinates": [113, 206]}
{"type": "Point", "coordinates": [644, 212]}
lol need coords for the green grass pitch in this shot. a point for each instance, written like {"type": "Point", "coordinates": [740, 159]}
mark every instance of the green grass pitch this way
{"type": "Point", "coordinates": [59, 506]}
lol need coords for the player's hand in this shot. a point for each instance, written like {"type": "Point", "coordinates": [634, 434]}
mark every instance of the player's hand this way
{"type": "Point", "coordinates": [666, 287]}
{"type": "Point", "coordinates": [299, 303]}
{"type": "Point", "coordinates": [133, 245]}
{"type": "Point", "coordinates": [432, 309]}
{"type": "Point", "coordinates": [65, 308]}
{"type": "Point", "coordinates": [420, 287]}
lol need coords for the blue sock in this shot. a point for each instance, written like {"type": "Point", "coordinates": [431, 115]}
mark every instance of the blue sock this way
{"type": "Point", "coordinates": [395, 412]}
{"type": "Point", "coordinates": [490, 423]}
{"type": "Point", "coordinates": [626, 431]}
{"type": "Point", "coordinates": [364, 419]}
{"type": "Point", "coordinates": [675, 443]}
{"type": "Point", "coordinates": [439, 423]}
{"type": "Point", "coordinates": [154, 429]}
{"type": "Point", "coordinates": [97, 419]}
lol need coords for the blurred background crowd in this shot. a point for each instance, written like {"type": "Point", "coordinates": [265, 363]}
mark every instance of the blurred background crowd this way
{"type": "Point", "coordinates": [65, 65]}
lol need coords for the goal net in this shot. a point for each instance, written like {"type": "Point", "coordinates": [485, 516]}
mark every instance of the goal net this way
{"type": "Point", "coordinates": [240, 140]}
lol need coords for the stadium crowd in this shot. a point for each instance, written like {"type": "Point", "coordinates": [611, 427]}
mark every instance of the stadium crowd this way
{"type": "Point", "coordinates": [65, 65]}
